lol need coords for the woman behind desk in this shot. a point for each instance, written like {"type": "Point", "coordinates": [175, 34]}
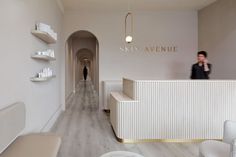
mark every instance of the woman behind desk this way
{"type": "Point", "coordinates": [202, 68]}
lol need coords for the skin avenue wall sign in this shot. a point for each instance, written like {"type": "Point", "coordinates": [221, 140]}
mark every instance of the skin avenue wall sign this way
{"type": "Point", "coordinates": [150, 49]}
{"type": "Point", "coordinates": [161, 49]}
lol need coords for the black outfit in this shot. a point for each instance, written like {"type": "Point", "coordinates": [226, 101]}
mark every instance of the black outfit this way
{"type": "Point", "coordinates": [199, 73]}
{"type": "Point", "coordinates": [85, 72]}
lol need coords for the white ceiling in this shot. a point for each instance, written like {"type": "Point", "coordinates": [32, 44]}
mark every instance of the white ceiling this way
{"type": "Point", "coordinates": [137, 5]}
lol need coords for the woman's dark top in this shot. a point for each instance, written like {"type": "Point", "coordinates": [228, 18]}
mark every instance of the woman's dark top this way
{"type": "Point", "coordinates": [199, 73]}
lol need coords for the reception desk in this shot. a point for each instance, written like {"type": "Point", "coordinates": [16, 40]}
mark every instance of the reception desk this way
{"type": "Point", "coordinates": [172, 110]}
{"type": "Point", "coordinates": [108, 87]}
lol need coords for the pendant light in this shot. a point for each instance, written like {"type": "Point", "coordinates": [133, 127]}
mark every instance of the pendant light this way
{"type": "Point", "coordinates": [129, 32]}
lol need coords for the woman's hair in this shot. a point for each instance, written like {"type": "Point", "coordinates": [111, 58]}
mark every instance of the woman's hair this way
{"type": "Point", "coordinates": [204, 53]}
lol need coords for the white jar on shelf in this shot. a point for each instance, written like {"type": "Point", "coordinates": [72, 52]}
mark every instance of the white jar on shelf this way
{"type": "Point", "coordinates": [38, 53]}
{"type": "Point", "coordinates": [43, 27]}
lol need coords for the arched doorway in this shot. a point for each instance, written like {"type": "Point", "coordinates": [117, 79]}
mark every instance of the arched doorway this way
{"type": "Point", "coordinates": [81, 50]}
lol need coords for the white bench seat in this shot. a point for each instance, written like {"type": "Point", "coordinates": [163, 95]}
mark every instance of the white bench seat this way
{"type": "Point", "coordinates": [34, 145]}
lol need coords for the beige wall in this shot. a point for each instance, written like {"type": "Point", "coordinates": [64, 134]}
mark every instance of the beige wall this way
{"type": "Point", "coordinates": [217, 35]}
{"type": "Point", "coordinates": [150, 28]}
{"type": "Point", "coordinates": [42, 100]}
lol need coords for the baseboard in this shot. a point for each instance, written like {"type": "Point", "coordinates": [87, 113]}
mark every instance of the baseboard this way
{"type": "Point", "coordinates": [48, 126]}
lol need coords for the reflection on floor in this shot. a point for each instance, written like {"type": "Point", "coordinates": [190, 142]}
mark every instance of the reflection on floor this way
{"type": "Point", "coordinates": [87, 132]}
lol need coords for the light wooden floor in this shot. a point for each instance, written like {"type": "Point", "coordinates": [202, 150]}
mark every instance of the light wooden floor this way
{"type": "Point", "coordinates": [86, 132]}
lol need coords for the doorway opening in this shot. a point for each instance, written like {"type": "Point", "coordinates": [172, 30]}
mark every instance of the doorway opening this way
{"type": "Point", "coordinates": [81, 51]}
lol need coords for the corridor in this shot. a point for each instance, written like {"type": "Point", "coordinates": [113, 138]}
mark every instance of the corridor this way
{"type": "Point", "coordinates": [86, 131]}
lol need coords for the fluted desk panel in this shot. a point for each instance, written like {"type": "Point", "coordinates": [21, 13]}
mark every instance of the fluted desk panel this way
{"type": "Point", "coordinates": [172, 109]}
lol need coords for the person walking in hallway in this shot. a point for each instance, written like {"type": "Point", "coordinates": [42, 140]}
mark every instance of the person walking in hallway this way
{"type": "Point", "coordinates": [85, 73]}
{"type": "Point", "coordinates": [202, 68]}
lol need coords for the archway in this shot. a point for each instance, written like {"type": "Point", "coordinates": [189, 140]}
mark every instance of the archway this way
{"type": "Point", "coordinates": [81, 49]}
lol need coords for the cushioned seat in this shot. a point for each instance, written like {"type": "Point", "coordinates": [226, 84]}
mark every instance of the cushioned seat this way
{"type": "Point", "coordinates": [34, 145]}
{"type": "Point", "coordinates": [214, 149]}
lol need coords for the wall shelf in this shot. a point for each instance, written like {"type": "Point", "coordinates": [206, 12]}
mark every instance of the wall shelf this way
{"type": "Point", "coordinates": [44, 36]}
{"type": "Point", "coordinates": [42, 79]}
{"type": "Point", "coordinates": [43, 57]}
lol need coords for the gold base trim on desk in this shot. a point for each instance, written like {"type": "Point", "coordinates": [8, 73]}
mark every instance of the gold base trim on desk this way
{"type": "Point", "coordinates": [134, 141]}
